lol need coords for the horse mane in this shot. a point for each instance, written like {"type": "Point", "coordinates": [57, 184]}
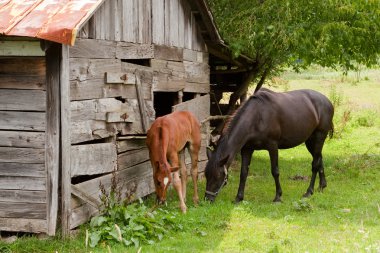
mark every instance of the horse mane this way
{"type": "Point", "coordinates": [233, 117]}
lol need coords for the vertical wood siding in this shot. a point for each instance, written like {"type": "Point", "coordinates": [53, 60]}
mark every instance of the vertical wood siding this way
{"type": "Point", "coordinates": [161, 22]}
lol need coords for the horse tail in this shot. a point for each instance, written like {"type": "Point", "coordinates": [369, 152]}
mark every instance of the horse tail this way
{"type": "Point", "coordinates": [331, 131]}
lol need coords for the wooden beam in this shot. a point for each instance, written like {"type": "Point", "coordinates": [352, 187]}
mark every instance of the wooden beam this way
{"type": "Point", "coordinates": [52, 134]}
{"type": "Point", "coordinates": [82, 195]}
{"type": "Point", "coordinates": [65, 139]}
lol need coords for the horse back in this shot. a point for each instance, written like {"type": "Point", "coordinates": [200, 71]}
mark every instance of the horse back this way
{"type": "Point", "coordinates": [171, 132]}
{"type": "Point", "coordinates": [291, 117]}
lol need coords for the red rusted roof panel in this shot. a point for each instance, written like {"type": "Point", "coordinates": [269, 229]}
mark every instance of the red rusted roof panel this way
{"type": "Point", "coordinates": [54, 20]}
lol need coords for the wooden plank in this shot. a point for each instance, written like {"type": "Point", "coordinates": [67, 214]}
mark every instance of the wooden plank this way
{"type": "Point", "coordinates": [92, 159]}
{"type": "Point", "coordinates": [32, 121]}
{"type": "Point", "coordinates": [168, 53]}
{"type": "Point", "coordinates": [106, 109]}
{"type": "Point", "coordinates": [145, 21]}
{"type": "Point", "coordinates": [92, 48]}
{"type": "Point", "coordinates": [22, 155]}
{"type": "Point", "coordinates": [96, 88]}
{"type": "Point", "coordinates": [65, 140]}
{"type": "Point", "coordinates": [54, 66]}
{"type": "Point", "coordinates": [24, 82]}
{"type": "Point", "coordinates": [23, 169]}
{"type": "Point", "coordinates": [158, 22]}
{"type": "Point", "coordinates": [90, 130]}
{"type": "Point", "coordinates": [22, 100]}
{"type": "Point", "coordinates": [132, 158]}
{"type": "Point", "coordinates": [197, 72]}
{"type": "Point", "coordinates": [199, 106]}
{"type": "Point", "coordinates": [181, 24]}
{"type": "Point", "coordinates": [21, 48]}
{"type": "Point", "coordinates": [23, 225]}
{"type": "Point", "coordinates": [83, 196]}
{"type": "Point", "coordinates": [91, 187]}
{"type": "Point", "coordinates": [140, 98]}
{"type": "Point", "coordinates": [23, 210]}
{"type": "Point", "coordinates": [120, 77]}
{"type": "Point", "coordinates": [23, 183]}
{"type": "Point", "coordinates": [116, 19]}
{"type": "Point", "coordinates": [187, 24]}
{"type": "Point", "coordinates": [22, 66]}
{"type": "Point", "coordinates": [125, 50]}
{"type": "Point", "coordinates": [83, 69]}
{"type": "Point", "coordinates": [167, 22]}
{"type": "Point", "coordinates": [173, 23]}
{"type": "Point", "coordinates": [22, 196]}
{"type": "Point", "coordinates": [197, 87]}
{"type": "Point", "coordinates": [81, 215]}
{"type": "Point", "coordinates": [195, 56]}
{"type": "Point", "coordinates": [130, 144]}
{"type": "Point", "coordinates": [22, 139]}
{"type": "Point", "coordinates": [130, 21]}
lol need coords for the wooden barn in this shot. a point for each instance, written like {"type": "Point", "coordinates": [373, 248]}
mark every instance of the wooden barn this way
{"type": "Point", "coordinates": [80, 84]}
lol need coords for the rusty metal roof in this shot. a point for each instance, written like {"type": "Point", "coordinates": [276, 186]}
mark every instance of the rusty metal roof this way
{"type": "Point", "coordinates": [53, 20]}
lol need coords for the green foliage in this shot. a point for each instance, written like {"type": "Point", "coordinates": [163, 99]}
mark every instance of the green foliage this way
{"type": "Point", "coordinates": [298, 33]}
{"type": "Point", "coordinates": [131, 224]}
{"type": "Point", "coordinates": [303, 205]}
{"type": "Point", "coordinates": [367, 118]}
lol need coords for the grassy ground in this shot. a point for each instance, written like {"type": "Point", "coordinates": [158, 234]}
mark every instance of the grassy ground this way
{"type": "Point", "coordinates": [344, 218]}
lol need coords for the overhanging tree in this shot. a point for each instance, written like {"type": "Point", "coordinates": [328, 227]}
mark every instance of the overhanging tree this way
{"type": "Point", "coordinates": [277, 34]}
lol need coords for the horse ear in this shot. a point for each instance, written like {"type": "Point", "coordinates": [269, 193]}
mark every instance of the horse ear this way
{"type": "Point", "coordinates": [174, 169]}
{"type": "Point", "coordinates": [209, 152]}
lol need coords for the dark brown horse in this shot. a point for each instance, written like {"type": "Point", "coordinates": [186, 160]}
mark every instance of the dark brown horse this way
{"type": "Point", "coordinates": [272, 121]}
{"type": "Point", "coordinates": [166, 139]}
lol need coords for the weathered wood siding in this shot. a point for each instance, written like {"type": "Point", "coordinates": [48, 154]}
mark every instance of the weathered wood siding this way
{"type": "Point", "coordinates": [160, 22]}
{"type": "Point", "coordinates": [127, 51]}
{"type": "Point", "coordinates": [23, 186]}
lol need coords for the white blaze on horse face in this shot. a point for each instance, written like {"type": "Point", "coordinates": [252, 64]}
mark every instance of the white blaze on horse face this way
{"type": "Point", "coordinates": [166, 181]}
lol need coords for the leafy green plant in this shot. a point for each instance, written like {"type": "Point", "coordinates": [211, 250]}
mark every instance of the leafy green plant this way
{"type": "Point", "coordinates": [132, 224]}
{"type": "Point", "coordinates": [367, 118]}
{"type": "Point", "coordinates": [303, 205]}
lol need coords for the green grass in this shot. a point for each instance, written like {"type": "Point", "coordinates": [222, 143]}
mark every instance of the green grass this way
{"type": "Point", "coordinates": [344, 218]}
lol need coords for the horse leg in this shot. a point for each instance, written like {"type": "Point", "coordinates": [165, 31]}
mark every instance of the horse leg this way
{"type": "Point", "coordinates": [183, 171]}
{"type": "Point", "coordinates": [246, 155]}
{"type": "Point", "coordinates": [314, 145]}
{"type": "Point", "coordinates": [194, 150]}
{"type": "Point", "coordinates": [273, 154]}
{"type": "Point", "coordinates": [177, 183]}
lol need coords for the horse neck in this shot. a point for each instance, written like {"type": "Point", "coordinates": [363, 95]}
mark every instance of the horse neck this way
{"type": "Point", "coordinates": [237, 134]}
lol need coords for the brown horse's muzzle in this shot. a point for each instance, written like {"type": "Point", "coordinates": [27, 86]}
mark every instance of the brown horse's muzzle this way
{"type": "Point", "coordinates": [160, 201]}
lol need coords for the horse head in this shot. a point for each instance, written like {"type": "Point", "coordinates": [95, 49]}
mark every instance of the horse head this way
{"type": "Point", "coordinates": [162, 179]}
{"type": "Point", "coordinates": [216, 174]}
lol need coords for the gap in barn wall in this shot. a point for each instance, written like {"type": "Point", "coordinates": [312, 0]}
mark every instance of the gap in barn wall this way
{"type": "Point", "coordinates": [163, 102]}
{"type": "Point", "coordinates": [141, 62]}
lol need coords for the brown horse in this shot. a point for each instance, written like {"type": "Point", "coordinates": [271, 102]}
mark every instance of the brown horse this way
{"type": "Point", "coordinates": [167, 138]}
{"type": "Point", "coordinates": [272, 121]}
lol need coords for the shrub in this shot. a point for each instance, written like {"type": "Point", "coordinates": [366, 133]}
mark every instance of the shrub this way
{"type": "Point", "coordinates": [132, 224]}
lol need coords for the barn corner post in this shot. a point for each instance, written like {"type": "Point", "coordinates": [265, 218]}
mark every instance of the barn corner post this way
{"type": "Point", "coordinates": [65, 140]}
{"type": "Point", "coordinates": [52, 136]}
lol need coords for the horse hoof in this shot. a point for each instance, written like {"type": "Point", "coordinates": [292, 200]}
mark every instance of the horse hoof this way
{"type": "Point", "coordinates": [307, 195]}
{"type": "Point", "coordinates": [277, 200]}
{"type": "Point", "coordinates": [237, 201]}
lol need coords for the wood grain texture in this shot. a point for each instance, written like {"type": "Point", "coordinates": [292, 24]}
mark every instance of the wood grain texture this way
{"type": "Point", "coordinates": [93, 159]}
{"type": "Point", "coordinates": [22, 139]}
{"type": "Point", "coordinates": [22, 100]}
{"type": "Point", "coordinates": [23, 225]}
{"type": "Point", "coordinates": [30, 121]}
